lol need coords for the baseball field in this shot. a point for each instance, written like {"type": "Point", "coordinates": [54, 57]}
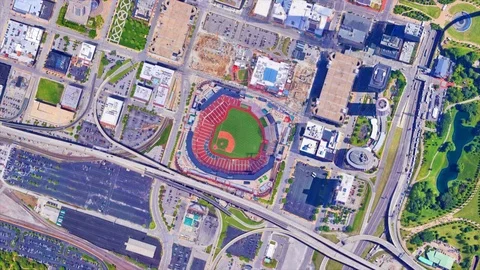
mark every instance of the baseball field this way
{"type": "Point", "coordinates": [238, 136]}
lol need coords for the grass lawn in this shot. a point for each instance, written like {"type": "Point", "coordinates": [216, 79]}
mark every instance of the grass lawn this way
{"type": "Point", "coordinates": [331, 237]}
{"type": "Point", "coordinates": [360, 215]}
{"type": "Point", "coordinates": [240, 215]}
{"type": "Point", "coordinates": [317, 259]}
{"type": "Point", "coordinates": [472, 209]}
{"type": "Point", "coordinates": [334, 265]}
{"type": "Point", "coordinates": [430, 10]}
{"type": "Point", "coordinates": [120, 75]}
{"type": "Point", "coordinates": [361, 131]}
{"type": "Point", "coordinates": [115, 67]}
{"type": "Point", "coordinates": [392, 152]}
{"type": "Point", "coordinates": [246, 133]}
{"type": "Point", "coordinates": [472, 34]}
{"type": "Point", "coordinates": [242, 75]}
{"type": "Point", "coordinates": [134, 35]}
{"type": "Point", "coordinates": [101, 67]}
{"type": "Point", "coordinates": [451, 231]}
{"type": "Point", "coordinates": [49, 91]}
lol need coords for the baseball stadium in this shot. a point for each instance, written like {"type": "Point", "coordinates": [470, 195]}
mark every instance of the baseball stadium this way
{"type": "Point", "coordinates": [231, 138]}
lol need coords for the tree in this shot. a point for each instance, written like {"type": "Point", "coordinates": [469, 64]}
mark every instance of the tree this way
{"type": "Point", "coordinates": [349, 229]}
{"type": "Point", "coordinates": [447, 201]}
{"type": "Point", "coordinates": [416, 240]}
{"type": "Point", "coordinates": [447, 147]}
{"type": "Point", "coordinates": [427, 236]}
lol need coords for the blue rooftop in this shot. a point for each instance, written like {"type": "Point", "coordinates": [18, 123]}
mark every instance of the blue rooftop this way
{"type": "Point", "coordinates": [270, 75]}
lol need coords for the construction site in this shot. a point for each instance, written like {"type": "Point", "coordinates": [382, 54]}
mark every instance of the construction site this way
{"type": "Point", "coordinates": [303, 77]}
{"type": "Point", "coordinates": [212, 55]}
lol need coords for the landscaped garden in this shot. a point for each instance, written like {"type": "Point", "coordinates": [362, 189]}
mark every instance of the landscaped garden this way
{"type": "Point", "coordinates": [93, 23]}
{"type": "Point", "coordinates": [49, 91]}
{"type": "Point", "coordinates": [361, 131]}
{"type": "Point", "coordinates": [473, 33]}
{"type": "Point", "coordinates": [463, 236]}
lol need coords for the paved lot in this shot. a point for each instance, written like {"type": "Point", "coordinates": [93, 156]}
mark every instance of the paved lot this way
{"type": "Point", "coordinates": [246, 247]}
{"type": "Point", "coordinates": [223, 26]}
{"type": "Point", "coordinates": [140, 127]}
{"type": "Point", "coordinates": [43, 248]}
{"type": "Point", "coordinates": [109, 236]}
{"type": "Point", "coordinates": [198, 264]}
{"type": "Point", "coordinates": [100, 186]}
{"type": "Point", "coordinates": [246, 34]}
{"type": "Point", "coordinates": [281, 252]}
{"type": "Point", "coordinates": [207, 230]}
{"type": "Point", "coordinates": [90, 135]}
{"type": "Point", "coordinates": [309, 190]}
{"type": "Point", "coordinates": [15, 93]}
{"type": "Point", "coordinates": [180, 257]}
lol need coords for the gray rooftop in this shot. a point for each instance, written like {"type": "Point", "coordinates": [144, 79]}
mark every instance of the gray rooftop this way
{"type": "Point", "coordinates": [71, 97]}
{"type": "Point", "coordinates": [443, 67]}
{"type": "Point", "coordinates": [380, 76]}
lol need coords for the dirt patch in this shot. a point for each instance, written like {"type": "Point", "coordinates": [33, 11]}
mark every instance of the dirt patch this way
{"type": "Point", "coordinates": [212, 55]}
{"type": "Point", "coordinates": [29, 200]}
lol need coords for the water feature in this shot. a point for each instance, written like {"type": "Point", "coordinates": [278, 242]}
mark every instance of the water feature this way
{"type": "Point", "coordinates": [462, 135]}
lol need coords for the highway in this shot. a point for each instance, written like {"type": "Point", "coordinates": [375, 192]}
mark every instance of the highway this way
{"type": "Point", "coordinates": [300, 232]}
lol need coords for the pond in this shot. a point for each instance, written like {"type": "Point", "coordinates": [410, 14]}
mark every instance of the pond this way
{"type": "Point", "coordinates": [462, 135]}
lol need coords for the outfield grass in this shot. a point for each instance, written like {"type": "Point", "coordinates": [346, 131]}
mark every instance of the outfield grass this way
{"type": "Point", "coordinates": [242, 75]}
{"type": "Point", "coordinates": [360, 215]}
{"type": "Point", "coordinates": [472, 34]}
{"type": "Point", "coordinates": [430, 10]}
{"type": "Point", "coordinates": [49, 91]}
{"type": "Point", "coordinates": [392, 152]}
{"type": "Point", "coordinates": [245, 131]}
{"type": "Point", "coordinates": [134, 35]}
{"type": "Point", "coordinates": [472, 209]}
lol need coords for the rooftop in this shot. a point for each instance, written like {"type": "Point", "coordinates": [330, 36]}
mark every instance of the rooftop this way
{"type": "Point", "coordinates": [391, 42]}
{"type": "Point", "coordinates": [440, 259]}
{"type": "Point", "coordinates": [360, 158]}
{"type": "Point", "coordinates": [343, 190]}
{"type": "Point", "coordinates": [21, 42]}
{"type": "Point", "coordinates": [58, 61]}
{"type": "Point", "coordinates": [71, 97]}
{"type": "Point", "coordinates": [39, 8]}
{"type": "Point", "coordinates": [78, 11]}
{"type": "Point", "coordinates": [111, 112]}
{"type": "Point", "coordinates": [157, 74]}
{"type": "Point", "coordinates": [354, 30]}
{"type": "Point", "coordinates": [142, 93]}
{"type": "Point", "coordinates": [407, 52]}
{"type": "Point", "coordinates": [380, 77]}
{"type": "Point", "coordinates": [273, 75]}
{"type": "Point", "coordinates": [87, 51]}
{"type": "Point", "coordinates": [443, 67]}
{"type": "Point", "coordinates": [333, 100]}
{"type": "Point", "coordinates": [414, 30]}
{"type": "Point", "coordinates": [141, 248]}
{"type": "Point", "coordinates": [144, 8]}
{"type": "Point", "coordinates": [262, 8]}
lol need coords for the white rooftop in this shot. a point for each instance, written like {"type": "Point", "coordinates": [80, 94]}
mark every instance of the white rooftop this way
{"type": "Point", "coordinates": [344, 188]}
{"type": "Point", "coordinates": [262, 7]}
{"type": "Point", "coordinates": [21, 42]}
{"type": "Point", "coordinates": [142, 93]}
{"type": "Point", "coordinates": [309, 146]}
{"type": "Point", "coordinates": [111, 111]}
{"type": "Point", "coordinates": [160, 96]}
{"type": "Point", "coordinates": [298, 14]}
{"type": "Point", "coordinates": [270, 73]}
{"type": "Point", "coordinates": [157, 74]}
{"type": "Point", "coordinates": [374, 134]}
{"type": "Point", "coordinates": [279, 12]}
{"type": "Point", "coordinates": [71, 97]}
{"type": "Point", "coordinates": [314, 131]}
{"type": "Point", "coordinates": [87, 51]}
{"type": "Point", "coordinates": [141, 248]}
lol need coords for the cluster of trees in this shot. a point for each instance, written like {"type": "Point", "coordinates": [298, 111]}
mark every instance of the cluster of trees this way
{"type": "Point", "coordinates": [465, 77]}
{"type": "Point", "coordinates": [423, 197]}
{"type": "Point", "coordinates": [442, 126]}
{"type": "Point", "coordinates": [11, 260]}
{"type": "Point", "coordinates": [423, 237]}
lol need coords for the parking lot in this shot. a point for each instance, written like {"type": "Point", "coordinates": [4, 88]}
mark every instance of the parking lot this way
{"type": "Point", "coordinates": [180, 257]}
{"type": "Point", "coordinates": [242, 33]}
{"type": "Point", "coordinates": [110, 236]}
{"type": "Point", "coordinates": [246, 247]}
{"type": "Point", "coordinates": [90, 135]}
{"type": "Point", "coordinates": [223, 26]}
{"type": "Point", "coordinates": [43, 248]}
{"type": "Point", "coordinates": [207, 230]}
{"type": "Point", "coordinates": [100, 186]}
{"type": "Point", "coordinates": [15, 93]}
{"type": "Point", "coordinates": [140, 127]}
